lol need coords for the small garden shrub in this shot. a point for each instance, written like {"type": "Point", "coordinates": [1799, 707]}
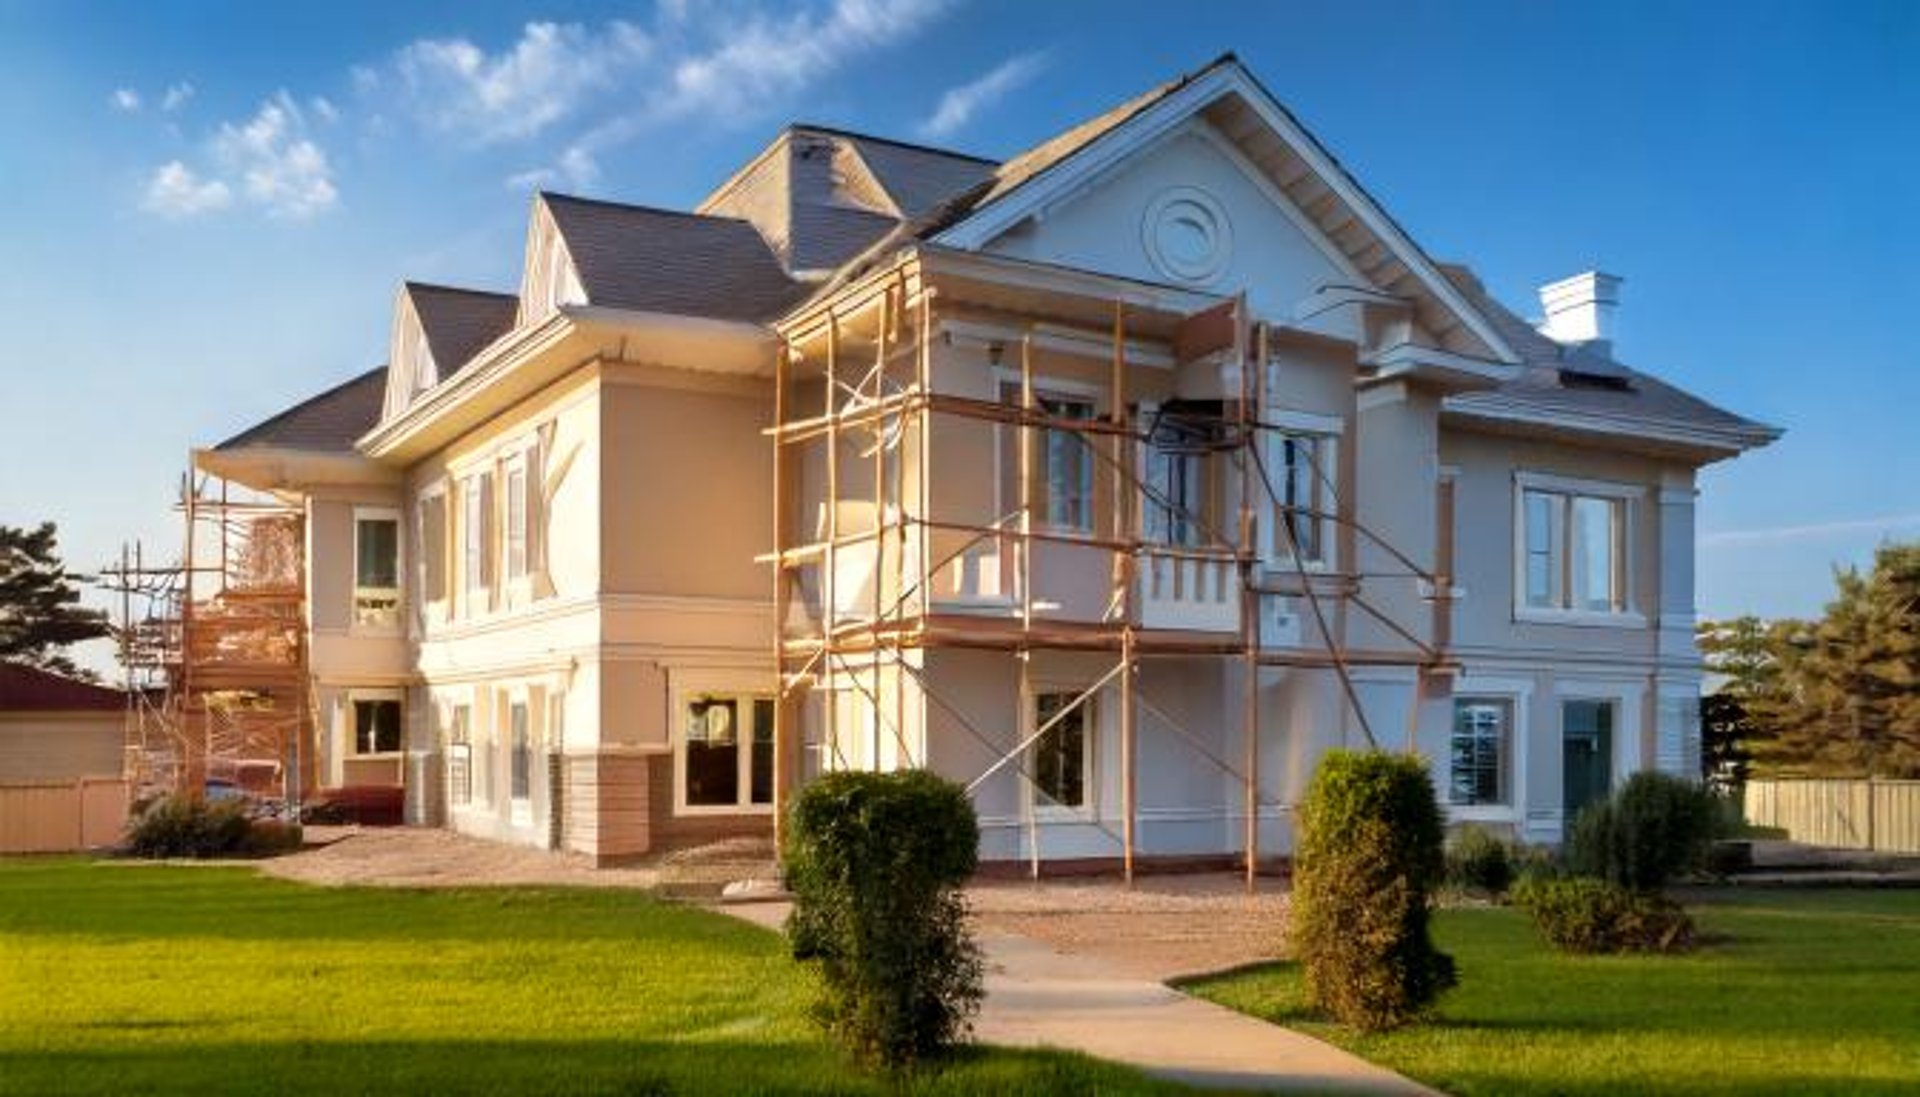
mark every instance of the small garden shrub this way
{"type": "Point", "coordinates": [186, 826]}
{"type": "Point", "coordinates": [1653, 828]}
{"type": "Point", "coordinates": [1367, 861]}
{"type": "Point", "coordinates": [1582, 914]}
{"type": "Point", "coordinates": [1479, 862]}
{"type": "Point", "coordinates": [875, 862]}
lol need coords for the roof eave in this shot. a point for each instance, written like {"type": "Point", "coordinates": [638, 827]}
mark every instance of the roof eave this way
{"type": "Point", "coordinates": [1709, 442]}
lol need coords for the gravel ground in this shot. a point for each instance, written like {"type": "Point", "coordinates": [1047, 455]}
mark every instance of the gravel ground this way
{"type": "Point", "coordinates": [1162, 927]}
{"type": "Point", "coordinates": [423, 857]}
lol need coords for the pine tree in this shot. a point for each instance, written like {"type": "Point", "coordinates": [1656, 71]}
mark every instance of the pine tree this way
{"type": "Point", "coordinates": [40, 611]}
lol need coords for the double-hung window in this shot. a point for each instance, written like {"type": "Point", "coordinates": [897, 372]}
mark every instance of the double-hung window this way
{"type": "Point", "coordinates": [1479, 751]}
{"type": "Point", "coordinates": [460, 756]}
{"type": "Point", "coordinates": [1060, 761]}
{"type": "Point", "coordinates": [517, 519]}
{"type": "Point", "coordinates": [376, 725]}
{"type": "Point", "coordinates": [1573, 551]}
{"type": "Point", "coordinates": [1300, 467]}
{"type": "Point", "coordinates": [1063, 459]}
{"type": "Point", "coordinates": [520, 752]}
{"type": "Point", "coordinates": [726, 750]}
{"type": "Point", "coordinates": [376, 568]}
{"type": "Point", "coordinates": [1175, 507]}
{"type": "Point", "coordinates": [475, 540]}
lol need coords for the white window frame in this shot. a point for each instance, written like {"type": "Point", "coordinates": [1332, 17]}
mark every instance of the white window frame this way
{"type": "Point", "coordinates": [434, 609]}
{"type": "Point", "coordinates": [519, 808]}
{"type": "Point", "coordinates": [393, 619]}
{"type": "Point", "coordinates": [744, 688]}
{"type": "Point", "coordinates": [516, 465]}
{"type": "Point", "coordinates": [476, 495]}
{"type": "Point", "coordinates": [1325, 432]}
{"type": "Point", "coordinates": [1517, 692]}
{"type": "Point", "coordinates": [460, 750]}
{"type": "Point", "coordinates": [351, 729]}
{"type": "Point", "coordinates": [1006, 388]}
{"type": "Point", "coordinates": [1626, 699]}
{"type": "Point", "coordinates": [1041, 805]}
{"type": "Point", "coordinates": [1628, 498]}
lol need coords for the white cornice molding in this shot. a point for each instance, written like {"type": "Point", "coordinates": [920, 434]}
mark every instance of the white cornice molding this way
{"type": "Point", "coordinates": [1495, 408]}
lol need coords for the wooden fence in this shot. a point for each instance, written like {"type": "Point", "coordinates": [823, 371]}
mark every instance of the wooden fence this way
{"type": "Point", "coordinates": [62, 816]}
{"type": "Point", "coordinates": [1843, 814]}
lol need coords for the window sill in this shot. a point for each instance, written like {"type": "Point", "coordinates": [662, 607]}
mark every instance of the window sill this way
{"type": "Point", "coordinates": [1482, 813]}
{"type": "Point", "coordinates": [1578, 618]}
{"type": "Point", "coordinates": [722, 809]}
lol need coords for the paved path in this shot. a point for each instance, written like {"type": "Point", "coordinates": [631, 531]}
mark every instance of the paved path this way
{"type": "Point", "coordinates": [1039, 997]}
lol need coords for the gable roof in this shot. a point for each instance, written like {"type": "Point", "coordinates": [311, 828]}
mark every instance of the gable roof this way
{"type": "Point", "coordinates": [1582, 385]}
{"type": "Point", "coordinates": [458, 322]}
{"type": "Point", "coordinates": [325, 423]}
{"type": "Point", "coordinates": [30, 689]}
{"type": "Point", "coordinates": [687, 264]}
{"type": "Point", "coordinates": [1234, 102]}
{"type": "Point", "coordinates": [916, 178]}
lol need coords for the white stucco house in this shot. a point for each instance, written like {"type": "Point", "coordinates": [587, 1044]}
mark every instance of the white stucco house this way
{"type": "Point", "coordinates": [1116, 480]}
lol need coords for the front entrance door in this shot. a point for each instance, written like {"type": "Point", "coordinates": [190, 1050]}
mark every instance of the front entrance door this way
{"type": "Point", "coordinates": [1586, 753]}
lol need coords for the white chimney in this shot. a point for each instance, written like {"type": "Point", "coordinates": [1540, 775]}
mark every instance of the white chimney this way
{"type": "Point", "coordinates": [1581, 309]}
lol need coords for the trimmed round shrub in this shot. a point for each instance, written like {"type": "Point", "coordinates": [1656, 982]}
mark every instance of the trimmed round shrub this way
{"type": "Point", "coordinates": [1582, 914]}
{"type": "Point", "coordinates": [1366, 864]}
{"type": "Point", "coordinates": [1478, 861]}
{"type": "Point", "coordinates": [1654, 828]}
{"type": "Point", "coordinates": [875, 862]}
{"type": "Point", "coordinates": [188, 826]}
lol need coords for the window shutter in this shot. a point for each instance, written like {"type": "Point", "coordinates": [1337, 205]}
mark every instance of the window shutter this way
{"type": "Point", "coordinates": [538, 494]}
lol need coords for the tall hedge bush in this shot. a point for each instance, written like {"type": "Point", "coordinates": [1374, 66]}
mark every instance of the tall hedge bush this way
{"type": "Point", "coordinates": [875, 862]}
{"type": "Point", "coordinates": [1367, 861]}
{"type": "Point", "coordinates": [1653, 828]}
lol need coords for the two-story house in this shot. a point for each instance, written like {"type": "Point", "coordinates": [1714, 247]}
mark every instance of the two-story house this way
{"type": "Point", "coordinates": [1117, 480]}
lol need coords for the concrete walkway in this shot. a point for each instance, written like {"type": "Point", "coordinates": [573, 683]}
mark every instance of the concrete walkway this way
{"type": "Point", "coordinates": [1037, 997]}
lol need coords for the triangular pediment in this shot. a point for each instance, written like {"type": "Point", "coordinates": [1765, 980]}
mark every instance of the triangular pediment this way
{"type": "Point", "coordinates": [1292, 213]}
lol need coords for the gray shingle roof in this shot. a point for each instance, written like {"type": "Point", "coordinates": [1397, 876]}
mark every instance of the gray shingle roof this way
{"type": "Point", "coordinates": [1585, 380]}
{"type": "Point", "coordinates": [326, 423]}
{"type": "Point", "coordinates": [688, 264]}
{"type": "Point", "coordinates": [916, 177]}
{"type": "Point", "coordinates": [459, 323]}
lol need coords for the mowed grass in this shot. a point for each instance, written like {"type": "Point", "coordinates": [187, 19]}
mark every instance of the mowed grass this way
{"type": "Point", "coordinates": [120, 978]}
{"type": "Point", "coordinates": [1792, 992]}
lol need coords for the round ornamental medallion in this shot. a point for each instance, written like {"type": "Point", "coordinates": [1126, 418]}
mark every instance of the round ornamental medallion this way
{"type": "Point", "coordinates": [1187, 235]}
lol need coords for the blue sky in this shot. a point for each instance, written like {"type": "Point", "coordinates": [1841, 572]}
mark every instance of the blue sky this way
{"type": "Point", "coordinates": [208, 206]}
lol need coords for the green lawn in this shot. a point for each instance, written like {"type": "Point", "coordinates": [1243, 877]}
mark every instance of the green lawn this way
{"type": "Point", "coordinates": [1792, 992]}
{"type": "Point", "coordinates": [122, 978]}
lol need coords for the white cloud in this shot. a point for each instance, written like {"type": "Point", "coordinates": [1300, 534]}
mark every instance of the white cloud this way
{"type": "Point", "coordinates": [279, 168]}
{"type": "Point", "coordinates": [176, 96]}
{"type": "Point", "coordinates": [457, 87]}
{"type": "Point", "coordinates": [268, 161]}
{"type": "Point", "coordinates": [1816, 530]}
{"type": "Point", "coordinates": [175, 191]}
{"type": "Point", "coordinates": [727, 69]}
{"type": "Point", "coordinates": [324, 109]}
{"type": "Point", "coordinates": [575, 168]}
{"type": "Point", "coordinates": [722, 64]}
{"type": "Point", "coordinates": [125, 99]}
{"type": "Point", "coordinates": [958, 105]}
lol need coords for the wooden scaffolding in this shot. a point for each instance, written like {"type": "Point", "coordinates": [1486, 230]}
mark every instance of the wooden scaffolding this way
{"type": "Point", "coordinates": [213, 648]}
{"type": "Point", "coordinates": [860, 368]}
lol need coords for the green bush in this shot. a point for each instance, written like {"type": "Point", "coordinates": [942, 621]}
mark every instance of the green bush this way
{"type": "Point", "coordinates": [1478, 861]}
{"type": "Point", "coordinates": [1654, 828]}
{"type": "Point", "coordinates": [187, 826]}
{"type": "Point", "coordinates": [1582, 914]}
{"type": "Point", "coordinates": [875, 862]}
{"type": "Point", "coordinates": [1366, 864]}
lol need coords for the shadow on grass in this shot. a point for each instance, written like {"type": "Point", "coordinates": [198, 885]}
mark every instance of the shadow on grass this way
{"type": "Point", "coordinates": [539, 1067]}
{"type": "Point", "coordinates": [105, 900]}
